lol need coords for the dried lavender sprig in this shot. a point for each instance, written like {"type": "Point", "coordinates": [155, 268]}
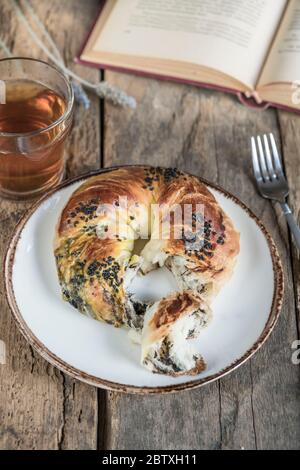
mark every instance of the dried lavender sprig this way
{"type": "Point", "coordinates": [102, 89]}
{"type": "Point", "coordinates": [115, 95]}
{"type": "Point", "coordinates": [79, 93]}
{"type": "Point", "coordinates": [5, 48]}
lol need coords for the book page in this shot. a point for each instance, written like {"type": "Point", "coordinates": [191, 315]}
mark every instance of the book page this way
{"type": "Point", "coordinates": [231, 36]}
{"type": "Point", "coordinates": [283, 64]}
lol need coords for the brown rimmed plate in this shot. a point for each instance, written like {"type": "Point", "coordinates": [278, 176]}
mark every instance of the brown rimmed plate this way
{"type": "Point", "coordinates": [245, 312]}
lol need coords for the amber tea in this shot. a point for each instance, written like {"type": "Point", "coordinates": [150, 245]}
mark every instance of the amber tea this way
{"type": "Point", "coordinates": [30, 107]}
{"type": "Point", "coordinates": [33, 130]}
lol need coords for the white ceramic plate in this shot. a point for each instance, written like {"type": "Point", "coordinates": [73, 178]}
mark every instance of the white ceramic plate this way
{"type": "Point", "coordinates": [245, 311]}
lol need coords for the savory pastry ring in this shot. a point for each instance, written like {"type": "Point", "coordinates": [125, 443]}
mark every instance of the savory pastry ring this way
{"type": "Point", "coordinates": [94, 251]}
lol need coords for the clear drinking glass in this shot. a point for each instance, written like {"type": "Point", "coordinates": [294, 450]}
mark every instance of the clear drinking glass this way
{"type": "Point", "coordinates": [36, 110]}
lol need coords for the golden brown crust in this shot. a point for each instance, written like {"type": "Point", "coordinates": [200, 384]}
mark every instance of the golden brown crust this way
{"type": "Point", "coordinates": [90, 270]}
{"type": "Point", "coordinates": [216, 244]}
{"type": "Point", "coordinates": [160, 340]}
{"type": "Point", "coordinates": [199, 367]}
{"type": "Point", "coordinates": [105, 188]}
{"type": "Point", "coordinates": [170, 309]}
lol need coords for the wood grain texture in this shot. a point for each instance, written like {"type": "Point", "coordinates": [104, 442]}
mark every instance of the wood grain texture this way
{"type": "Point", "coordinates": [290, 140]}
{"type": "Point", "coordinates": [207, 133]}
{"type": "Point", "coordinates": [41, 408]}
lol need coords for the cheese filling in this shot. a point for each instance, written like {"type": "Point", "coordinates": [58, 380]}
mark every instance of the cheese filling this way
{"type": "Point", "coordinates": [174, 354]}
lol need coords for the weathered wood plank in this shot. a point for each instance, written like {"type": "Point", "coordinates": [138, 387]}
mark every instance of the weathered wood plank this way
{"type": "Point", "coordinates": [40, 408]}
{"type": "Point", "coordinates": [273, 378]}
{"type": "Point", "coordinates": [290, 135]}
{"type": "Point", "coordinates": [208, 134]}
{"type": "Point", "coordinates": [202, 132]}
{"type": "Point", "coordinates": [290, 140]}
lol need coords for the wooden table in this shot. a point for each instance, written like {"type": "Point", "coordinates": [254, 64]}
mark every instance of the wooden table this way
{"type": "Point", "coordinates": [206, 133]}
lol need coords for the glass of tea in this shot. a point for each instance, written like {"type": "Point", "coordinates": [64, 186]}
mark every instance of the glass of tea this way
{"type": "Point", "coordinates": [36, 109]}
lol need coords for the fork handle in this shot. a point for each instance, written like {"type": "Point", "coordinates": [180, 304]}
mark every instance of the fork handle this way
{"type": "Point", "coordinates": [292, 223]}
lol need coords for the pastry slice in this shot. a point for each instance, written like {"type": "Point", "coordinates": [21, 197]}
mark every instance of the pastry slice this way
{"type": "Point", "coordinates": [168, 325]}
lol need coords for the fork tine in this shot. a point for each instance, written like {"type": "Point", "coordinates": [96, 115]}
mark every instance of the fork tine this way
{"type": "Point", "coordinates": [255, 163]}
{"type": "Point", "coordinates": [277, 160]}
{"type": "Point", "coordinates": [262, 160]}
{"type": "Point", "coordinates": [269, 158]}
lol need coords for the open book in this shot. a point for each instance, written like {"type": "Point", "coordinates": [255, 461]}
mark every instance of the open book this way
{"type": "Point", "coordinates": [251, 47]}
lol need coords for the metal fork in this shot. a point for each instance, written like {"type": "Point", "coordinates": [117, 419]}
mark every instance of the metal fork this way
{"type": "Point", "coordinates": [270, 178]}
